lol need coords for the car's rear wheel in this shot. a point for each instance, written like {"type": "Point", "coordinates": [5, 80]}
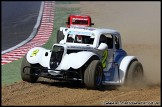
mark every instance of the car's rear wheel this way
{"type": "Point", "coordinates": [28, 73]}
{"type": "Point", "coordinates": [134, 74]}
{"type": "Point", "coordinates": [93, 75]}
{"type": "Point", "coordinates": [60, 36]}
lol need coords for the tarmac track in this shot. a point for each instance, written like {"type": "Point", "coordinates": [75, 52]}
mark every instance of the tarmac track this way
{"type": "Point", "coordinates": [50, 92]}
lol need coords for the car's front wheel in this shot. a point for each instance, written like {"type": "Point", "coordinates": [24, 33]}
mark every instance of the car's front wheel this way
{"type": "Point", "coordinates": [93, 75]}
{"type": "Point", "coordinates": [28, 73]}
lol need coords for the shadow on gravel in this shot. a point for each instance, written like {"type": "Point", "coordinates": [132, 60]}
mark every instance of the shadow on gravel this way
{"type": "Point", "coordinates": [63, 84]}
{"type": "Point", "coordinates": [74, 85]}
{"type": "Point", "coordinates": [109, 88]}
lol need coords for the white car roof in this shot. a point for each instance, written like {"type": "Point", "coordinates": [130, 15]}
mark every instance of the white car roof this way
{"type": "Point", "coordinates": [94, 30]}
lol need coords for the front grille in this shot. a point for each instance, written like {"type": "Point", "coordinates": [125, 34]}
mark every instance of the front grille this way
{"type": "Point", "coordinates": [55, 60]}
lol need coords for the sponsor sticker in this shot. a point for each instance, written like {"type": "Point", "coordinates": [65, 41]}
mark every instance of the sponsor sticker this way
{"type": "Point", "coordinates": [78, 33]}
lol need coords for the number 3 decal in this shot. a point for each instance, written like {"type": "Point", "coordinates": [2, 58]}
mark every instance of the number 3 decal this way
{"type": "Point", "coordinates": [105, 55]}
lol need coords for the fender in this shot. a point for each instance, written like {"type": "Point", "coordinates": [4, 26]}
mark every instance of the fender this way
{"type": "Point", "coordinates": [124, 66]}
{"type": "Point", "coordinates": [75, 60]}
{"type": "Point", "coordinates": [39, 55]}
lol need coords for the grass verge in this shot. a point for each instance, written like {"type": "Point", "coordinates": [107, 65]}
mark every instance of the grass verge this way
{"type": "Point", "coordinates": [10, 73]}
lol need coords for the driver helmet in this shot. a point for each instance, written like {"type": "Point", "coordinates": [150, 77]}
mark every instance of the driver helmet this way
{"type": "Point", "coordinates": [79, 38]}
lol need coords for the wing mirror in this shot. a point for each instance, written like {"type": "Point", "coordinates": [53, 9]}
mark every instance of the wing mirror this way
{"type": "Point", "coordinates": [102, 46]}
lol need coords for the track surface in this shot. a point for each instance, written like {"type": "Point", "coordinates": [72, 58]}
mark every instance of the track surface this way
{"type": "Point", "coordinates": [41, 37]}
{"type": "Point", "coordinates": [137, 40]}
{"type": "Point", "coordinates": [18, 21]}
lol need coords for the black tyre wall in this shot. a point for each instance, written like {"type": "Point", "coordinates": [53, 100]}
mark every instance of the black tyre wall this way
{"type": "Point", "coordinates": [91, 74]}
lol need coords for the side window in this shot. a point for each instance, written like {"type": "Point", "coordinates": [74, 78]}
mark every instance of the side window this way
{"type": "Point", "coordinates": [103, 39]}
{"type": "Point", "coordinates": [117, 42]}
{"type": "Point", "coordinates": [108, 39]}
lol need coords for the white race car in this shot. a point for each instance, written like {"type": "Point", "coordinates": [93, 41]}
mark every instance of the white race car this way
{"type": "Point", "coordinates": [91, 55]}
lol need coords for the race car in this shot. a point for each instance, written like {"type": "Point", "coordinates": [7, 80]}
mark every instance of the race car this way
{"type": "Point", "coordinates": [74, 20]}
{"type": "Point", "coordinates": [93, 56]}
{"type": "Point", "coordinates": [79, 20]}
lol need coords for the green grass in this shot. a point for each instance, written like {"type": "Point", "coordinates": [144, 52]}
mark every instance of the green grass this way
{"type": "Point", "coordinates": [11, 72]}
{"type": "Point", "coordinates": [67, 2]}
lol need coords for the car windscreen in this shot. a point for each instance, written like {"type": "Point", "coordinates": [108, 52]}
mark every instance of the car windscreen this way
{"type": "Point", "coordinates": [83, 39]}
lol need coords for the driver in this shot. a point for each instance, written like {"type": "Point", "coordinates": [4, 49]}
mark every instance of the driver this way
{"type": "Point", "coordinates": [79, 39]}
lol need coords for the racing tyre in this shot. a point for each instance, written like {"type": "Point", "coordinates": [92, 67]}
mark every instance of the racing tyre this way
{"type": "Point", "coordinates": [60, 36]}
{"type": "Point", "coordinates": [134, 74]}
{"type": "Point", "coordinates": [28, 73]}
{"type": "Point", "coordinates": [93, 75]}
